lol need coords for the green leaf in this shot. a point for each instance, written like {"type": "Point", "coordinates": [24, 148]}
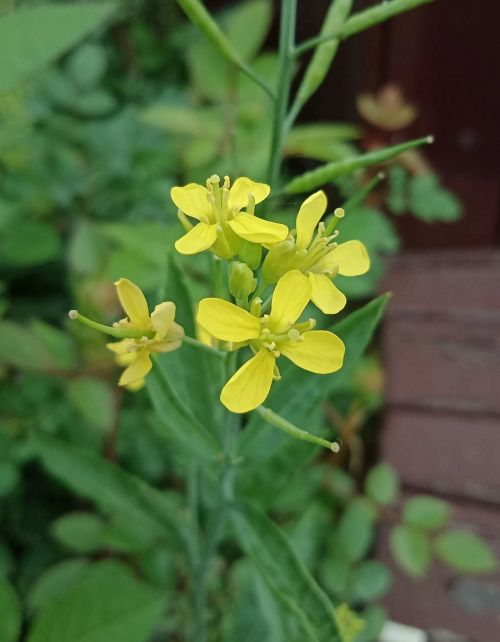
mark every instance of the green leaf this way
{"type": "Point", "coordinates": [87, 65]}
{"type": "Point", "coordinates": [108, 603]}
{"type": "Point", "coordinates": [9, 477]}
{"type": "Point", "coordinates": [94, 399]}
{"type": "Point", "coordinates": [189, 412]}
{"type": "Point", "coordinates": [112, 489]}
{"type": "Point", "coordinates": [56, 581]}
{"type": "Point", "coordinates": [32, 243]}
{"type": "Point", "coordinates": [382, 484]}
{"type": "Point", "coordinates": [32, 37]}
{"type": "Point", "coordinates": [465, 552]}
{"type": "Point", "coordinates": [247, 27]}
{"type": "Point", "coordinates": [426, 512]}
{"type": "Point", "coordinates": [23, 349]}
{"type": "Point", "coordinates": [275, 558]}
{"type": "Point", "coordinates": [10, 613]}
{"type": "Point", "coordinates": [80, 532]}
{"type": "Point", "coordinates": [320, 176]}
{"type": "Point", "coordinates": [355, 530]}
{"type": "Point", "coordinates": [369, 581]}
{"type": "Point", "coordinates": [60, 345]}
{"type": "Point", "coordinates": [374, 618]}
{"type": "Point", "coordinates": [321, 141]}
{"type": "Point", "coordinates": [411, 550]}
{"type": "Point", "coordinates": [430, 201]}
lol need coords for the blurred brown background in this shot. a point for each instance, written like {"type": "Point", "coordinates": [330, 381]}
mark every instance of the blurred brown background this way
{"type": "Point", "coordinates": [442, 333]}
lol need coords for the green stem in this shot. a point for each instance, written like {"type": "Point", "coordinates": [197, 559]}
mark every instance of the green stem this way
{"type": "Point", "coordinates": [297, 433]}
{"type": "Point", "coordinates": [118, 332]}
{"type": "Point", "coordinates": [218, 279]}
{"type": "Point", "coordinates": [286, 58]}
{"type": "Point", "coordinates": [204, 347]}
{"type": "Point", "coordinates": [217, 525]}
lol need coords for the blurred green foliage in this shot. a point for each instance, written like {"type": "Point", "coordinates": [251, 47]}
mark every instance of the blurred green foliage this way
{"type": "Point", "coordinates": [89, 149]}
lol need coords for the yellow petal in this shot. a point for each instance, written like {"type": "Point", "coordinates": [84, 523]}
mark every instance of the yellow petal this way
{"type": "Point", "coordinates": [200, 238]}
{"type": "Point", "coordinates": [250, 385]}
{"type": "Point", "coordinates": [137, 370]}
{"type": "Point", "coordinates": [292, 294]}
{"type": "Point", "coordinates": [133, 302]}
{"type": "Point", "coordinates": [162, 318]}
{"type": "Point", "coordinates": [137, 385]}
{"type": "Point", "coordinates": [238, 194]}
{"type": "Point", "coordinates": [120, 347]}
{"type": "Point", "coordinates": [192, 199]}
{"type": "Point", "coordinates": [257, 230]}
{"type": "Point", "coordinates": [351, 258]}
{"type": "Point", "coordinates": [226, 321]}
{"type": "Point", "coordinates": [310, 213]}
{"type": "Point", "coordinates": [319, 351]}
{"type": "Point", "coordinates": [325, 295]}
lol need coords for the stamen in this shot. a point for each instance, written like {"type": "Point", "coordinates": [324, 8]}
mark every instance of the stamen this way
{"type": "Point", "coordinates": [294, 334]}
{"type": "Point", "coordinates": [227, 182]}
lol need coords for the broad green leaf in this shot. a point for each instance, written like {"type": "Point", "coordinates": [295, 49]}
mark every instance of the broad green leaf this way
{"type": "Point", "coordinates": [60, 345]}
{"type": "Point", "coordinates": [10, 613]}
{"type": "Point", "coordinates": [32, 37]}
{"type": "Point", "coordinates": [247, 26]}
{"type": "Point", "coordinates": [335, 572]}
{"type": "Point", "coordinates": [23, 349]}
{"type": "Point", "coordinates": [30, 244]}
{"type": "Point", "coordinates": [190, 412]}
{"type": "Point", "coordinates": [465, 552]}
{"type": "Point", "coordinates": [112, 489]}
{"type": "Point", "coordinates": [94, 399]}
{"type": "Point", "coordinates": [87, 65]}
{"type": "Point", "coordinates": [430, 201]}
{"type": "Point", "coordinates": [369, 581]}
{"type": "Point", "coordinates": [108, 603]}
{"type": "Point", "coordinates": [374, 618]}
{"type": "Point", "coordinates": [382, 484]}
{"type": "Point", "coordinates": [410, 548]}
{"type": "Point", "coordinates": [271, 551]}
{"type": "Point", "coordinates": [80, 532]}
{"type": "Point", "coordinates": [355, 530]}
{"type": "Point", "coordinates": [56, 581]}
{"type": "Point", "coordinates": [426, 512]}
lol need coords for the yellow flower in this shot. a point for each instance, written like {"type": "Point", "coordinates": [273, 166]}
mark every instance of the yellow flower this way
{"type": "Point", "coordinates": [270, 336]}
{"type": "Point", "coordinates": [226, 216]}
{"type": "Point", "coordinates": [161, 333]}
{"type": "Point", "coordinates": [320, 258]}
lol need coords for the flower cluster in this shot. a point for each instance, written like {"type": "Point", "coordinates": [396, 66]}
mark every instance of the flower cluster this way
{"type": "Point", "coordinates": [299, 267]}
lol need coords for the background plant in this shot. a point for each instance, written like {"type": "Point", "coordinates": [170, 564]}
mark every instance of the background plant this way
{"type": "Point", "coordinates": [83, 200]}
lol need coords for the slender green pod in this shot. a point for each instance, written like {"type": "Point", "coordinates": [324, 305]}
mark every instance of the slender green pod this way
{"type": "Point", "coordinates": [317, 177]}
{"type": "Point", "coordinates": [201, 18]}
{"type": "Point", "coordinates": [324, 54]}
{"type": "Point", "coordinates": [379, 13]}
{"type": "Point", "coordinates": [283, 424]}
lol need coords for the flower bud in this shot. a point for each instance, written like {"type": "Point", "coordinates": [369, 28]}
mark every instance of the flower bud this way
{"type": "Point", "coordinates": [279, 260]}
{"type": "Point", "coordinates": [251, 254]}
{"type": "Point", "coordinates": [241, 281]}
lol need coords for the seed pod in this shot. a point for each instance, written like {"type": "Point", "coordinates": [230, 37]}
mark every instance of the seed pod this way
{"type": "Point", "coordinates": [326, 173]}
{"type": "Point", "coordinates": [324, 53]}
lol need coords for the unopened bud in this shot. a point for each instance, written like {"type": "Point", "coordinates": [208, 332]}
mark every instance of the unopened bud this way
{"type": "Point", "coordinates": [251, 254]}
{"type": "Point", "coordinates": [241, 281]}
{"type": "Point", "coordinates": [278, 261]}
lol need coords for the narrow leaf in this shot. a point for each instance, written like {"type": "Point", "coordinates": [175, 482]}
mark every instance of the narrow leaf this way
{"type": "Point", "coordinates": [275, 558]}
{"type": "Point", "coordinates": [379, 13]}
